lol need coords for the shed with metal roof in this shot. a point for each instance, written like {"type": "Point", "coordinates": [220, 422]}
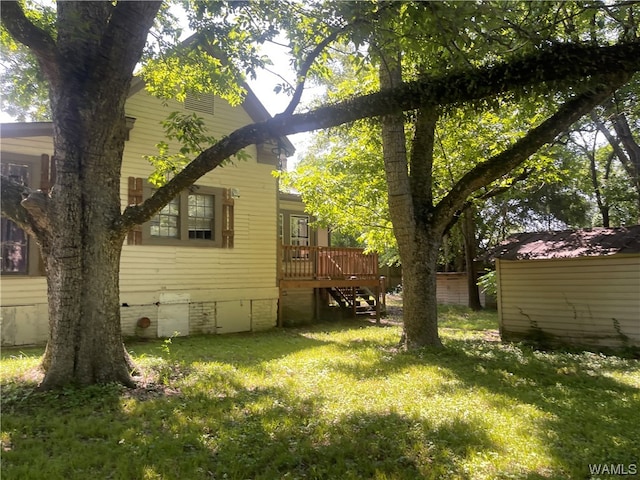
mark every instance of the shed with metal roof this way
{"type": "Point", "coordinates": [575, 287]}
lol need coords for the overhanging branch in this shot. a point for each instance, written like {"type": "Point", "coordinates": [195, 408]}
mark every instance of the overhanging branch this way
{"type": "Point", "coordinates": [306, 66]}
{"type": "Point", "coordinates": [579, 62]}
{"type": "Point", "coordinates": [504, 162]}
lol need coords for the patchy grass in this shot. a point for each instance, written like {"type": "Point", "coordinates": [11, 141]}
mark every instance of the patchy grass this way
{"type": "Point", "coordinates": [332, 401]}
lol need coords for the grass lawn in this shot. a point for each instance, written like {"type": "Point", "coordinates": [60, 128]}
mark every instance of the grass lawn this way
{"type": "Point", "coordinates": [332, 401]}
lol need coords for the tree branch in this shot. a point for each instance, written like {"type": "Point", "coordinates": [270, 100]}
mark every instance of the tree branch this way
{"type": "Point", "coordinates": [580, 63]}
{"type": "Point", "coordinates": [494, 192]}
{"type": "Point", "coordinates": [504, 162]}
{"type": "Point", "coordinates": [305, 67]}
{"type": "Point", "coordinates": [127, 33]}
{"type": "Point", "coordinates": [27, 208]}
{"type": "Point", "coordinates": [25, 32]}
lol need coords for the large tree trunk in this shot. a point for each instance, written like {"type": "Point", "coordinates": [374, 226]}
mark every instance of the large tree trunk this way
{"type": "Point", "coordinates": [420, 310]}
{"type": "Point", "coordinates": [85, 344]}
{"type": "Point", "coordinates": [82, 254]}
{"type": "Point", "coordinates": [89, 66]}
{"type": "Point", "coordinates": [409, 205]}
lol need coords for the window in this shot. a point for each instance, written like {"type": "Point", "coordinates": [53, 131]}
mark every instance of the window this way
{"type": "Point", "coordinates": [20, 254]}
{"type": "Point", "coordinates": [165, 224]}
{"type": "Point", "coordinates": [201, 217]}
{"type": "Point", "coordinates": [299, 230]}
{"type": "Point", "coordinates": [193, 218]}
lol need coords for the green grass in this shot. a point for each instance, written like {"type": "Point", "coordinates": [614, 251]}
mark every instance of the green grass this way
{"type": "Point", "coordinates": [332, 401]}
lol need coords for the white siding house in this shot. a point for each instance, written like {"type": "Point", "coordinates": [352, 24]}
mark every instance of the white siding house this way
{"type": "Point", "coordinates": [572, 287]}
{"type": "Point", "coordinates": [168, 287]}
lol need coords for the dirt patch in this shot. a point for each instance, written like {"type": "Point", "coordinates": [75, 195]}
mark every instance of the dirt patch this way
{"type": "Point", "coordinates": [150, 391]}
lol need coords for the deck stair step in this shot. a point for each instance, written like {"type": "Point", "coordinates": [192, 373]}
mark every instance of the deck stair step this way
{"type": "Point", "coordinates": [364, 299]}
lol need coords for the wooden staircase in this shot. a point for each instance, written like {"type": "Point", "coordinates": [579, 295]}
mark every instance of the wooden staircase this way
{"type": "Point", "coordinates": [357, 300]}
{"type": "Point", "coordinates": [340, 277]}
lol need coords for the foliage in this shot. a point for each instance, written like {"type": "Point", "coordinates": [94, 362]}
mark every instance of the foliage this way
{"type": "Point", "coordinates": [341, 184]}
{"type": "Point", "coordinates": [89, 51]}
{"type": "Point", "coordinates": [331, 401]}
{"type": "Point", "coordinates": [341, 177]}
{"type": "Point", "coordinates": [190, 132]}
{"type": "Point", "coordinates": [23, 86]}
{"type": "Point", "coordinates": [489, 283]}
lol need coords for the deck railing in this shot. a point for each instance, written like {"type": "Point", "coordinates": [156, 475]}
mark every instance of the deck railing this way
{"type": "Point", "coordinates": [306, 262]}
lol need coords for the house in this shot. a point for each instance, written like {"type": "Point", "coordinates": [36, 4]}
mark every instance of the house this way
{"type": "Point", "coordinates": [220, 276]}
{"type": "Point", "coordinates": [571, 287]}
{"type": "Point", "coordinates": [317, 280]}
{"type": "Point", "coordinates": [225, 268]}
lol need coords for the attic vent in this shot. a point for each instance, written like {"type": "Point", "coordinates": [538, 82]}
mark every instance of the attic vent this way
{"type": "Point", "coordinates": [202, 103]}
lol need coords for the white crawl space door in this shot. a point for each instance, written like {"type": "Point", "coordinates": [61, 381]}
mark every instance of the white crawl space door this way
{"type": "Point", "coordinates": [173, 314]}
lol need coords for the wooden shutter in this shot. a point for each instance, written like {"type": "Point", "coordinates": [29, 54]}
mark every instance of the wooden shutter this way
{"type": "Point", "coordinates": [227, 218]}
{"type": "Point", "coordinates": [134, 198]}
{"type": "Point", "coordinates": [47, 172]}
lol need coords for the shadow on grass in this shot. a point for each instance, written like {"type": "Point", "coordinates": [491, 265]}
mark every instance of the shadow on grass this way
{"type": "Point", "coordinates": [589, 417]}
{"type": "Point", "coordinates": [220, 427]}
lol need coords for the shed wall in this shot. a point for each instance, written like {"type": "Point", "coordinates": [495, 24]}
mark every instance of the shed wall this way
{"type": "Point", "coordinates": [452, 289]}
{"type": "Point", "coordinates": [591, 301]}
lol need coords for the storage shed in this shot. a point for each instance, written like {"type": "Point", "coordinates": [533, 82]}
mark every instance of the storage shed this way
{"type": "Point", "coordinates": [571, 287]}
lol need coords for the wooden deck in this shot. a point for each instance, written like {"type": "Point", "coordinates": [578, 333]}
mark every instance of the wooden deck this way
{"type": "Point", "coordinates": [326, 263]}
{"type": "Point", "coordinates": [343, 272]}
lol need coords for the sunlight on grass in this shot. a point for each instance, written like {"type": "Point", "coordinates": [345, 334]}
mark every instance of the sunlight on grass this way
{"type": "Point", "coordinates": [330, 401]}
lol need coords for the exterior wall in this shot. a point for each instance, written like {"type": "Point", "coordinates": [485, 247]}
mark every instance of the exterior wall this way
{"type": "Point", "coordinates": [292, 204]}
{"type": "Point", "coordinates": [590, 301]}
{"type": "Point", "coordinates": [451, 289]}
{"type": "Point", "coordinates": [194, 289]}
{"type": "Point", "coordinates": [23, 299]}
{"type": "Point", "coordinates": [297, 306]}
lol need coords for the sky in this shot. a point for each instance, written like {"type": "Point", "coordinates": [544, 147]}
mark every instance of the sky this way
{"type": "Point", "coordinates": [263, 87]}
{"type": "Point", "coordinates": [275, 103]}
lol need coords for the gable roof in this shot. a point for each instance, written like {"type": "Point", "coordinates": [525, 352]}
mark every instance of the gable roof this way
{"type": "Point", "coordinates": [251, 104]}
{"type": "Point", "coordinates": [592, 242]}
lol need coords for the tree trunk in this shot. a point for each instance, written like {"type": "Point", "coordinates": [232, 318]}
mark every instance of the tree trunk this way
{"type": "Point", "coordinates": [409, 204]}
{"type": "Point", "coordinates": [420, 305]}
{"type": "Point", "coordinates": [89, 66]}
{"type": "Point", "coordinates": [82, 254]}
{"type": "Point", "coordinates": [82, 250]}
{"type": "Point", "coordinates": [469, 234]}
{"type": "Point", "coordinates": [85, 344]}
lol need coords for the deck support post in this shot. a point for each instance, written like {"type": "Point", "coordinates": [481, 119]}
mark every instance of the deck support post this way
{"type": "Point", "coordinates": [377, 290]}
{"type": "Point", "coordinates": [279, 308]}
{"type": "Point", "coordinates": [354, 308]}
